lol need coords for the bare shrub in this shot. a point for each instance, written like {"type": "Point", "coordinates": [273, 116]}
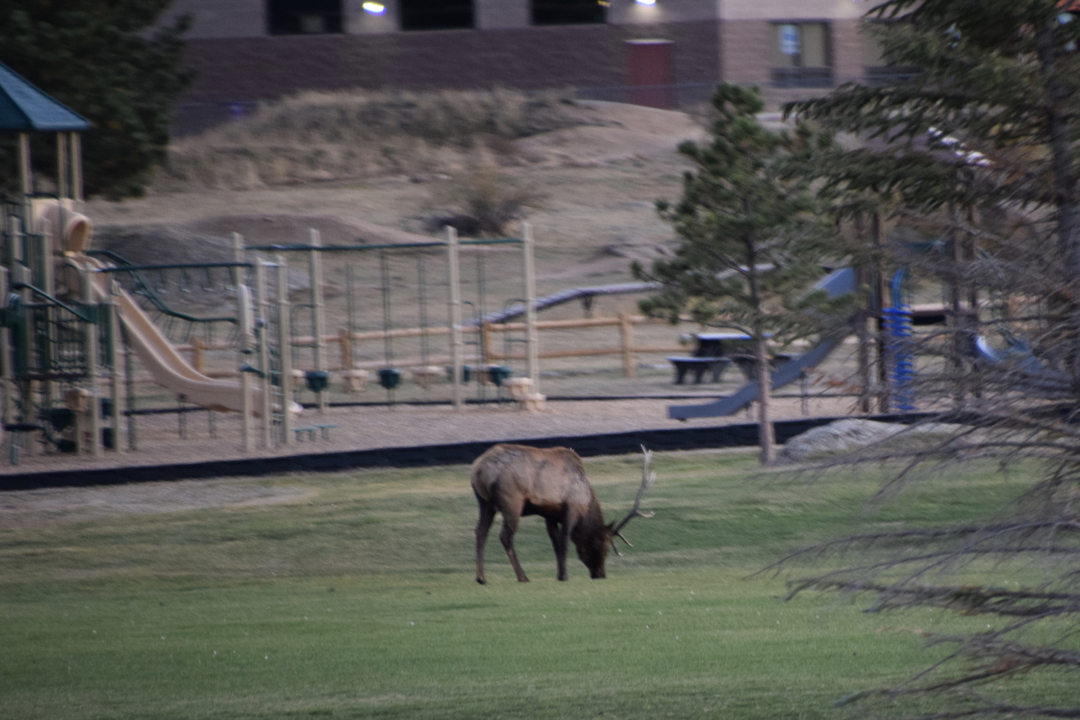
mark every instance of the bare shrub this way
{"type": "Point", "coordinates": [348, 135]}
{"type": "Point", "coordinates": [487, 200]}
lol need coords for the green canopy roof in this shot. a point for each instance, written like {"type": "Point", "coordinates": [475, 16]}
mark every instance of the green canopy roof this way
{"type": "Point", "coordinates": [24, 107]}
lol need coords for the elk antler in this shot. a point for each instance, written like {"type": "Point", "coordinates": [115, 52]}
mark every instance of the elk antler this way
{"type": "Point", "coordinates": [648, 477]}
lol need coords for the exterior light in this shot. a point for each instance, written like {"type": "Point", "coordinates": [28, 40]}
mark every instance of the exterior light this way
{"type": "Point", "coordinates": [645, 2]}
{"type": "Point", "coordinates": [374, 8]}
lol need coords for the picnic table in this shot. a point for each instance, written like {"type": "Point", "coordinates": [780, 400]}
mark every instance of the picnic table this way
{"type": "Point", "coordinates": [714, 352]}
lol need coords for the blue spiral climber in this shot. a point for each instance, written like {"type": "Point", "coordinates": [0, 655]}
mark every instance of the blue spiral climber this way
{"type": "Point", "coordinates": [896, 321]}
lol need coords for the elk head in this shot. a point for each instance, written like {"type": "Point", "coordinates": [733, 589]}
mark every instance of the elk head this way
{"type": "Point", "coordinates": [593, 546]}
{"type": "Point", "coordinates": [648, 477]}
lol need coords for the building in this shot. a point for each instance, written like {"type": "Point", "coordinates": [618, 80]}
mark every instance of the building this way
{"type": "Point", "coordinates": [252, 50]}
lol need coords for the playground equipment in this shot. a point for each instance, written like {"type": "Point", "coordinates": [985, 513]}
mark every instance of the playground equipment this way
{"type": "Point", "coordinates": [168, 368]}
{"type": "Point", "coordinates": [838, 283]}
{"type": "Point", "coordinates": [101, 300]}
{"type": "Point", "coordinates": [30, 311]}
{"type": "Point", "coordinates": [402, 287]}
{"type": "Point", "coordinates": [897, 323]}
{"type": "Point", "coordinates": [897, 320]}
{"type": "Point", "coordinates": [71, 303]}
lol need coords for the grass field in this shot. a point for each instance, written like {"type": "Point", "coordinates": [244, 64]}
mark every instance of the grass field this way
{"type": "Point", "coordinates": [353, 596]}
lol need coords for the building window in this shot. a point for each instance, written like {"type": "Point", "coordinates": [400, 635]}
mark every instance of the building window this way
{"type": "Point", "coordinates": [436, 14]}
{"type": "Point", "coordinates": [800, 55]}
{"type": "Point", "coordinates": [304, 17]}
{"type": "Point", "coordinates": [879, 68]}
{"type": "Point", "coordinates": [568, 12]}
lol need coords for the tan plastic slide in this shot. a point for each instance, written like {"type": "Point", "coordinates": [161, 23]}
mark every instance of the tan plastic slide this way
{"type": "Point", "coordinates": [168, 368]}
{"type": "Point", "coordinates": [71, 234]}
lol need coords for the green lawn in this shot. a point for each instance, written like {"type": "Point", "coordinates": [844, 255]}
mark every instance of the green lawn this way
{"type": "Point", "coordinates": [353, 596]}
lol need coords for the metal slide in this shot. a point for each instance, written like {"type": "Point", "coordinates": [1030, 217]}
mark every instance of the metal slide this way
{"type": "Point", "coordinates": [837, 283]}
{"type": "Point", "coordinates": [1036, 377]}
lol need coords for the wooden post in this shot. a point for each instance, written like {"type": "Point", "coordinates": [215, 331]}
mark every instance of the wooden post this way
{"type": "Point", "coordinates": [456, 347]}
{"type": "Point", "coordinates": [532, 340]}
{"type": "Point", "coordinates": [76, 167]}
{"type": "Point", "coordinates": [49, 236]}
{"type": "Point", "coordinates": [345, 340]}
{"type": "Point", "coordinates": [20, 274]}
{"type": "Point", "coordinates": [243, 308]}
{"type": "Point", "coordinates": [485, 341]}
{"type": "Point", "coordinates": [116, 382]}
{"type": "Point", "coordinates": [13, 260]}
{"type": "Point", "coordinates": [25, 172]}
{"type": "Point", "coordinates": [62, 167]}
{"type": "Point", "coordinates": [264, 352]}
{"type": "Point", "coordinates": [285, 347]}
{"type": "Point", "coordinates": [197, 347]}
{"type": "Point", "coordinates": [91, 350]}
{"type": "Point", "coordinates": [318, 323]}
{"type": "Point", "coordinates": [129, 382]}
{"type": "Point", "coordinates": [626, 335]}
{"type": "Point", "coordinates": [6, 371]}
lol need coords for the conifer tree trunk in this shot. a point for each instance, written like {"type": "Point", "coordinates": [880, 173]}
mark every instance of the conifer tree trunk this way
{"type": "Point", "coordinates": [766, 436]}
{"type": "Point", "coordinates": [862, 318]}
{"type": "Point", "coordinates": [1065, 185]}
{"type": "Point", "coordinates": [956, 322]}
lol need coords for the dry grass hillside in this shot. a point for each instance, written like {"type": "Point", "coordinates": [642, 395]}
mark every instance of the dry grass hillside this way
{"type": "Point", "coordinates": [389, 168]}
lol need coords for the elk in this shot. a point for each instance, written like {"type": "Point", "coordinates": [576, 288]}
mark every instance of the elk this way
{"type": "Point", "coordinates": [518, 480]}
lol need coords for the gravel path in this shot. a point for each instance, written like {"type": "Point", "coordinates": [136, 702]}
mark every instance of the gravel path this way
{"type": "Point", "coordinates": [363, 428]}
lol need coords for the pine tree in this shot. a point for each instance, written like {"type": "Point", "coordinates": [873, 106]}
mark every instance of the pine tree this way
{"type": "Point", "coordinates": [104, 60]}
{"type": "Point", "coordinates": [751, 239]}
{"type": "Point", "coordinates": [981, 143]}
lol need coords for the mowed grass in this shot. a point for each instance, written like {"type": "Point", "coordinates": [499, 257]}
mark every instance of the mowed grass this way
{"type": "Point", "coordinates": [352, 595]}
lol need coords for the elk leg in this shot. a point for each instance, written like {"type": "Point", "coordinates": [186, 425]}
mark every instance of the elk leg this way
{"type": "Point", "coordinates": [510, 521]}
{"type": "Point", "coordinates": [487, 516]}
{"type": "Point", "coordinates": [559, 540]}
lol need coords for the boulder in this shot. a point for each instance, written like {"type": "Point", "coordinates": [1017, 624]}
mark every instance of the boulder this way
{"type": "Point", "coordinates": [850, 435]}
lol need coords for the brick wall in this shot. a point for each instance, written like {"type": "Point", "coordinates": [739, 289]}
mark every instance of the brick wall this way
{"type": "Point", "coordinates": [745, 51]}
{"type": "Point", "coordinates": [218, 19]}
{"type": "Point", "coordinates": [848, 50]}
{"type": "Point", "coordinates": [262, 68]}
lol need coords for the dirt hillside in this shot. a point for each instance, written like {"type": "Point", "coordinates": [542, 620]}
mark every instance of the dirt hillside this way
{"type": "Point", "coordinates": [598, 183]}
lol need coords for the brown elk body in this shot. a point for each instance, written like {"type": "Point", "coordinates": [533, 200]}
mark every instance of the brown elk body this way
{"type": "Point", "coordinates": [517, 480]}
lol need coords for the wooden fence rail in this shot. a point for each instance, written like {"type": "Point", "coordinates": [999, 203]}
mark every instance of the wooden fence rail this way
{"type": "Point", "coordinates": [345, 341]}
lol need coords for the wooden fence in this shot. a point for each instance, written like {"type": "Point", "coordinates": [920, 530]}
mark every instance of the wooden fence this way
{"type": "Point", "coordinates": [345, 340]}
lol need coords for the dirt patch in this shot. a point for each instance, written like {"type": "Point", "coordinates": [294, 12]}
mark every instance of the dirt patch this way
{"type": "Point", "coordinates": [629, 131]}
{"type": "Point", "coordinates": [279, 229]}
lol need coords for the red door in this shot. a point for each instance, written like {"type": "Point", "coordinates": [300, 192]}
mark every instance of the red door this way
{"type": "Point", "coordinates": [652, 73]}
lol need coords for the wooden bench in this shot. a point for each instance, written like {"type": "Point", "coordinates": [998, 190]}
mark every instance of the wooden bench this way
{"type": "Point", "coordinates": [698, 366]}
{"type": "Point", "coordinates": [308, 431]}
